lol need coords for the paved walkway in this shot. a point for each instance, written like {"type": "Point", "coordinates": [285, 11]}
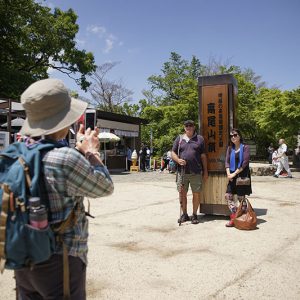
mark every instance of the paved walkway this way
{"type": "Point", "coordinates": [259, 169]}
{"type": "Point", "coordinates": [138, 251]}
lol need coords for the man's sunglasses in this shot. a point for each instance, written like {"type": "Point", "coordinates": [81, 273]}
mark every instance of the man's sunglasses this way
{"type": "Point", "coordinates": [233, 135]}
{"type": "Point", "coordinates": [189, 125]}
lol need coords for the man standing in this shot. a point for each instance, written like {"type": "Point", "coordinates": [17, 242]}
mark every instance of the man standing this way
{"type": "Point", "coordinates": [283, 160]}
{"type": "Point", "coordinates": [189, 153]}
{"type": "Point", "coordinates": [143, 154]}
{"type": "Point", "coordinates": [128, 157]}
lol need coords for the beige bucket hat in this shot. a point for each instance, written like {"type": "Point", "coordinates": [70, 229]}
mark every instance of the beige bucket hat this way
{"type": "Point", "coordinates": [49, 108]}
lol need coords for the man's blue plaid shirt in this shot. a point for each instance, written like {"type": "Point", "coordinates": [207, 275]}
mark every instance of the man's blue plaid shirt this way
{"type": "Point", "coordinates": [69, 177]}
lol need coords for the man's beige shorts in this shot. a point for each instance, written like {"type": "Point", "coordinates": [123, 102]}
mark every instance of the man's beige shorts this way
{"type": "Point", "coordinates": [195, 180]}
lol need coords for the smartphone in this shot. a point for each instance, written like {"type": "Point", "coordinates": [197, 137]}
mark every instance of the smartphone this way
{"type": "Point", "coordinates": [90, 119]}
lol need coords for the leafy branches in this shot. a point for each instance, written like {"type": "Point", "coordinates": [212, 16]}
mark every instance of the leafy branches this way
{"type": "Point", "coordinates": [264, 114]}
{"type": "Point", "coordinates": [34, 39]}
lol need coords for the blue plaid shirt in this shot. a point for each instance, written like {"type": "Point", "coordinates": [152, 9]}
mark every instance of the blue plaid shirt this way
{"type": "Point", "coordinates": [69, 177]}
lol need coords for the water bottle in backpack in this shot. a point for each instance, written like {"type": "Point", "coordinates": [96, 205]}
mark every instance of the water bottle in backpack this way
{"type": "Point", "coordinates": [38, 216]}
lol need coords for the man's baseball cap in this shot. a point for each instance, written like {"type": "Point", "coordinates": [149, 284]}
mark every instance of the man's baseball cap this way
{"type": "Point", "coordinates": [189, 122]}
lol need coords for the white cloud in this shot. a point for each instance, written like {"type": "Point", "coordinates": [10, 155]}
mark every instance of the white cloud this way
{"type": "Point", "coordinates": [98, 30]}
{"type": "Point", "coordinates": [109, 44]}
{"type": "Point", "coordinates": [110, 40]}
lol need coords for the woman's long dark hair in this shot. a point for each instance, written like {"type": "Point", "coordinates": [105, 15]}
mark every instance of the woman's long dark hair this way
{"type": "Point", "coordinates": [240, 135]}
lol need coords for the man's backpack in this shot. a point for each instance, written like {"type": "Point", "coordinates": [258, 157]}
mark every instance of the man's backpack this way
{"type": "Point", "coordinates": [22, 245]}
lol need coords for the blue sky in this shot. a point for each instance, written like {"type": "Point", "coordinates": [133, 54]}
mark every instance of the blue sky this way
{"type": "Point", "coordinates": [263, 35]}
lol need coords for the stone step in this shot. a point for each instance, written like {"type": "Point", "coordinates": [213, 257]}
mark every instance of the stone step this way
{"type": "Point", "coordinates": [261, 169]}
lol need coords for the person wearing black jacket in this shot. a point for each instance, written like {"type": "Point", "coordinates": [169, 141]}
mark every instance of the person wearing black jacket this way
{"type": "Point", "coordinates": [143, 154]}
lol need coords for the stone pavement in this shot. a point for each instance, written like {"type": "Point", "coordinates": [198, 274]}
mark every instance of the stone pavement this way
{"type": "Point", "coordinates": [138, 251]}
{"type": "Point", "coordinates": [257, 169]}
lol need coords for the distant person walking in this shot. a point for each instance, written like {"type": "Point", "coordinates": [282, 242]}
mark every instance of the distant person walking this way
{"type": "Point", "coordinates": [283, 160]}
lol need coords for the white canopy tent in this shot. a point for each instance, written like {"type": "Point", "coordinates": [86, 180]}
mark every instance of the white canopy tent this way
{"type": "Point", "coordinates": [18, 122]}
{"type": "Point", "coordinates": [106, 137]}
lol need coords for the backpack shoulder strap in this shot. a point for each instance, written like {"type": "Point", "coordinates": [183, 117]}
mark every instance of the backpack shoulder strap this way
{"type": "Point", "coordinates": [179, 143]}
{"type": "Point", "coordinates": [3, 219]}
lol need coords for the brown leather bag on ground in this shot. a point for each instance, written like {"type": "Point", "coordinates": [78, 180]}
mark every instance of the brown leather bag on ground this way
{"type": "Point", "coordinates": [245, 220]}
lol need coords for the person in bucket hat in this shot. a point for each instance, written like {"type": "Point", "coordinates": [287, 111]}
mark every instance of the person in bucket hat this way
{"type": "Point", "coordinates": [49, 108]}
{"type": "Point", "coordinates": [69, 176]}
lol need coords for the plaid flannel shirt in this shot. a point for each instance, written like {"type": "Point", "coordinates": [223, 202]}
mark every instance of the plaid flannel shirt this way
{"type": "Point", "coordinates": [69, 177]}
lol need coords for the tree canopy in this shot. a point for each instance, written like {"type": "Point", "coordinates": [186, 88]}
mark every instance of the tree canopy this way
{"type": "Point", "coordinates": [34, 39]}
{"type": "Point", "coordinates": [264, 114]}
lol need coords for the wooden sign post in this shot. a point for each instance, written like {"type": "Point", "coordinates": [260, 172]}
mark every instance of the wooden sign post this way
{"type": "Point", "coordinates": [216, 117]}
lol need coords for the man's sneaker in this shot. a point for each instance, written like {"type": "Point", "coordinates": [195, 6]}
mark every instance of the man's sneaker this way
{"type": "Point", "coordinates": [184, 218]}
{"type": "Point", "coordinates": [275, 175]}
{"type": "Point", "coordinates": [289, 176]}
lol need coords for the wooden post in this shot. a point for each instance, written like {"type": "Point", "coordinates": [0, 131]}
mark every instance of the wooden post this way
{"type": "Point", "coordinates": [216, 117]}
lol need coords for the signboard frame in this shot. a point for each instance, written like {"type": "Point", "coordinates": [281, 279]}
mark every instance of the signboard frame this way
{"type": "Point", "coordinates": [217, 116]}
{"type": "Point", "coordinates": [217, 93]}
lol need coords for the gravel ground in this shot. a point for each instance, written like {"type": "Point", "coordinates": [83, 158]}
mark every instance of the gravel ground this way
{"type": "Point", "coordinates": [138, 251]}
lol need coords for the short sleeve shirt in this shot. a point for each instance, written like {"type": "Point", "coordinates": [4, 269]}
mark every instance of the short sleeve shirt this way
{"type": "Point", "coordinates": [190, 150]}
{"type": "Point", "coordinates": [282, 150]}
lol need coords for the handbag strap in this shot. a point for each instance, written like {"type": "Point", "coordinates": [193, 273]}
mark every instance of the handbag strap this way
{"type": "Point", "coordinates": [248, 174]}
{"type": "Point", "coordinates": [249, 206]}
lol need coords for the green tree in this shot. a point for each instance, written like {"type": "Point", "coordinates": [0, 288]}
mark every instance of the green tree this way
{"type": "Point", "coordinates": [34, 39]}
{"type": "Point", "coordinates": [263, 114]}
{"type": "Point", "coordinates": [172, 99]}
{"type": "Point", "coordinates": [279, 114]}
{"type": "Point", "coordinates": [246, 103]}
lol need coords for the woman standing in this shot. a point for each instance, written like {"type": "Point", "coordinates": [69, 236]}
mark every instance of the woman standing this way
{"type": "Point", "coordinates": [237, 165]}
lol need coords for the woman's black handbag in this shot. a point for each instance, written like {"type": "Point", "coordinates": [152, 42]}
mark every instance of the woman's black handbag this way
{"type": "Point", "coordinates": [243, 181]}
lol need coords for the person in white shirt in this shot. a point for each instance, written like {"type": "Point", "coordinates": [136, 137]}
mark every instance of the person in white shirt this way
{"type": "Point", "coordinates": [275, 161]}
{"type": "Point", "coordinates": [283, 160]}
